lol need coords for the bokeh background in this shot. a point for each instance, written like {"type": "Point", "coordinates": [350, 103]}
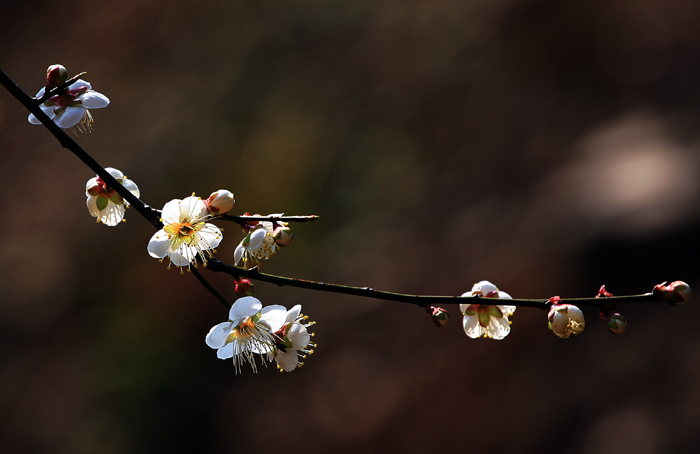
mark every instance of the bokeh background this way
{"type": "Point", "coordinates": [549, 146]}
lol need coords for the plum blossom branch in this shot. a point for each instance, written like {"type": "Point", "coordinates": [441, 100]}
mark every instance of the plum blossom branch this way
{"type": "Point", "coordinates": [669, 295]}
{"type": "Point", "coordinates": [150, 214]}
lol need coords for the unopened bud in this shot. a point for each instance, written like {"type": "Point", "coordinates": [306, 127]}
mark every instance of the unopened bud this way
{"type": "Point", "coordinates": [677, 292]}
{"type": "Point", "coordinates": [565, 320]}
{"type": "Point", "coordinates": [56, 75]}
{"type": "Point", "coordinates": [244, 287]}
{"type": "Point", "coordinates": [439, 315]}
{"type": "Point", "coordinates": [283, 235]}
{"type": "Point", "coordinates": [220, 202]}
{"type": "Point", "coordinates": [616, 323]}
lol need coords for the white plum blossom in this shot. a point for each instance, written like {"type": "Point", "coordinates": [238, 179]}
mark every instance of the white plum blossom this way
{"type": "Point", "coordinates": [247, 332]}
{"type": "Point", "coordinates": [258, 245]}
{"type": "Point", "coordinates": [293, 340]}
{"type": "Point", "coordinates": [185, 234]}
{"type": "Point", "coordinates": [69, 110]}
{"type": "Point", "coordinates": [565, 320]}
{"type": "Point", "coordinates": [103, 202]}
{"type": "Point", "coordinates": [484, 319]}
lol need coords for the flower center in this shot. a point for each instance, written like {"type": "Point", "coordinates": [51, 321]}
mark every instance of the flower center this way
{"type": "Point", "coordinates": [102, 189]}
{"type": "Point", "coordinates": [68, 98]}
{"type": "Point", "coordinates": [185, 229]}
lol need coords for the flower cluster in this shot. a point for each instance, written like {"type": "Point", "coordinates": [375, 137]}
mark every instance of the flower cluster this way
{"type": "Point", "coordinates": [485, 319]}
{"type": "Point", "coordinates": [261, 241]}
{"type": "Point", "coordinates": [271, 332]}
{"type": "Point", "coordinates": [103, 202]}
{"type": "Point", "coordinates": [69, 109]}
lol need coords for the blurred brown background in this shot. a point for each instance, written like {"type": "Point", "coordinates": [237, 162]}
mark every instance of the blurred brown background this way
{"type": "Point", "coordinates": [548, 146]}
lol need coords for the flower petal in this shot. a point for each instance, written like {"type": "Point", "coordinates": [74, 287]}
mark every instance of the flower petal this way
{"type": "Point", "coordinates": [171, 212]}
{"type": "Point", "coordinates": [218, 334]}
{"type": "Point", "coordinates": [210, 235]}
{"type": "Point", "coordinates": [274, 316]}
{"type": "Point", "coordinates": [298, 336]}
{"type": "Point", "coordinates": [92, 182]}
{"type": "Point", "coordinates": [238, 253]}
{"type": "Point", "coordinates": [112, 215]}
{"type": "Point", "coordinates": [256, 238]}
{"type": "Point", "coordinates": [159, 244]}
{"type": "Point", "coordinates": [507, 310]}
{"type": "Point", "coordinates": [183, 256]}
{"type": "Point", "coordinates": [33, 120]}
{"type": "Point", "coordinates": [193, 207]}
{"type": "Point", "coordinates": [472, 327]}
{"type": "Point", "coordinates": [225, 352]}
{"type": "Point", "coordinates": [498, 328]}
{"type": "Point", "coordinates": [70, 117]}
{"type": "Point", "coordinates": [293, 313]}
{"type": "Point", "coordinates": [79, 83]}
{"type": "Point", "coordinates": [243, 308]}
{"type": "Point", "coordinates": [485, 287]}
{"type": "Point", "coordinates": [287, 361]}
{"type": "Point", "coordinates": [92, 206]}
{"type": "Point", "coordinates": [131, 187]}
{"type": "Point", "coordinates": [94, 100]}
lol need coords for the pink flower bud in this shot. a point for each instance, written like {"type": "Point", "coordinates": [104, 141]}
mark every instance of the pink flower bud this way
{"type": "Point", "coordinates": [220, 202]}
{"type": "Point", "coordinates": [616, 323]}
{"type": "Point", "coordinates": [439, 315]}
{"type": "Point", "coordinates": [283, 235]}
{"type": "Point", "coordinates": [56, 76]}
{"type": "Point", "coordinates": [677, 292]}
{"type": "Point", "coordinates": [565, 320]}
{"type": "Point", "coordinates": [244, 287]}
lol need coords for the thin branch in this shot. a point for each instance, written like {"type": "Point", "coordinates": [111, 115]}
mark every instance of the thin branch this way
{"type": "Point", "coordinates": [420, 300]}
{"type": "Point", "coordinates": [208, 286]}
{"type": "Point", "coordinates": [243, 219]}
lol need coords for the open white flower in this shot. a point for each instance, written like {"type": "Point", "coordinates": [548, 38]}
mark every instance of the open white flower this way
{"type": "Point", "coordinates": [293, 339]}
{"type": "Point", "coordinates": [258, 245]}
{"type": "Point", "coordinates": [484, 319]}
{"type": "Point", "coordinates": [103, 202]}
{"type": "Point", "coordinates": [185, 234]}
{"type": "Point", "coordinates": [70, 110]}
{"type": "Point", "coordinates": [247, 332]}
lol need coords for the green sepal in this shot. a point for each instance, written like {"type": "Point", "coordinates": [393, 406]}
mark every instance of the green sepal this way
{"type": "Point", "coordinates": [484, 319]}
{"type": "Point", "coordinates": [102, 203]}
{"type": "Point", "coordinates": [495, 311]}
{"type": "Point", "coordinates": [116, 198]}
{"type": "Point", "coordinates": [246, 240]}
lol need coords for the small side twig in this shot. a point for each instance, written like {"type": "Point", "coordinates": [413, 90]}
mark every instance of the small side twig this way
{"type": "Point", "coordinates": [211, 289]}
{"type": "Point", "coordinates": [244, 218]}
